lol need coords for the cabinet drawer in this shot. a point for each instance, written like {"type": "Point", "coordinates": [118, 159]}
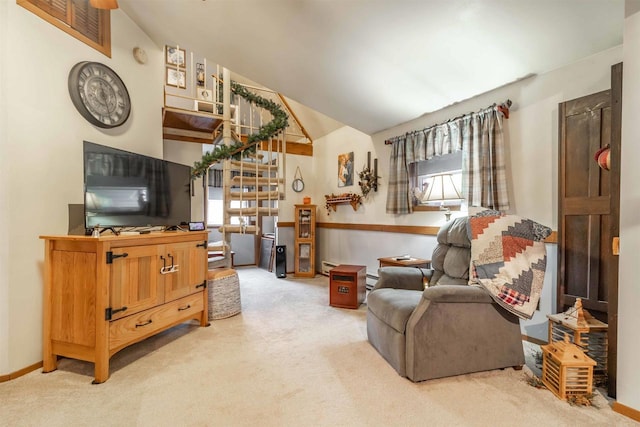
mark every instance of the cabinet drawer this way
{"type": "Point", "coordinates": [136, 327]}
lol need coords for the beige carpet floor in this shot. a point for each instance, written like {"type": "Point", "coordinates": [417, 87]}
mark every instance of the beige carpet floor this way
{"type": "Point", "coordinates": [289, 359]}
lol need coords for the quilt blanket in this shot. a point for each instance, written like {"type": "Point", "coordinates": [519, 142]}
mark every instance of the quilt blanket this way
{"type": "Point", "coordinates": [508, 258]}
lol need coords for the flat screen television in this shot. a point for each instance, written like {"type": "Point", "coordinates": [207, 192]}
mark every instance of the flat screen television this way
{"type": "Point", "coordinates": [124, 189]}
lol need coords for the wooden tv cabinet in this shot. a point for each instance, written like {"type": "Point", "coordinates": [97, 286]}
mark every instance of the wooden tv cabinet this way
{"type": "Point", "coordinates": [102, 294]}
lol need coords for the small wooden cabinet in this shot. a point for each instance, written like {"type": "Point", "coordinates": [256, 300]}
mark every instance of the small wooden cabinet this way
{"type": "Point", "coordinates": [305, 241]}
{"type": "Point", "coordinates": [103, 294]}
{"type": "Point", "coordinates": [347, 285]}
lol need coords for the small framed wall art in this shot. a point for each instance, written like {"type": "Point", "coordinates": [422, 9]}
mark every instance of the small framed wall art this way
{"type": "Point", "coordinates": [345, 169]}
{"type": "Point", "coordinates": [175, 56]}
{"type": "Point", "coordinates": [176, 78]}
{"type": "Point", "coordinates": [200, 74]}
{"type": "Point", "coordinates": [205, 94]}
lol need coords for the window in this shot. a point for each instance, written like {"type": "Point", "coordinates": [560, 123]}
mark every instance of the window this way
{"type": "Point", "coordinates": [437, 182]}
{"type": "Point", "coordinates": [215, 207]}
{"type": "Point", "coordinates": [77, 18]}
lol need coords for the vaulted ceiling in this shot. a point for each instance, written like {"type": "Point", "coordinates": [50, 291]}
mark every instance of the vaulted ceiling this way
{"type": "Point", "coordinates": [374, 64]}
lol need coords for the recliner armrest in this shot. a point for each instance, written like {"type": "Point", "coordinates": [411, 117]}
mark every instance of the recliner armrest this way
{"type": "Point", "coordinates": [402, 278]}
{"type": "Point", "coordinates": [457, 294]}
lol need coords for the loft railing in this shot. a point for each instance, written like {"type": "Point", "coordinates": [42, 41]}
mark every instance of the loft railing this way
{"type": "Point", "coordinates": [250, 119]}
{"type": "Point", "coordinates": [204, 99]}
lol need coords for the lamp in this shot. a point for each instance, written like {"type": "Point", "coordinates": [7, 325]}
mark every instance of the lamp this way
{"type": "Point", "coordinates": [104, 4]}
{"type": "Point", "coordinates": [440, 188]}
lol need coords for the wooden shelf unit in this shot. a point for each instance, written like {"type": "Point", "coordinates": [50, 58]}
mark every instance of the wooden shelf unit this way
{"type": "Point", "coordinates": [305, 241]}
{"type": "Point", "coordinates": [333, 201]}
{"type": "Point", "coordinates": [102, 294]}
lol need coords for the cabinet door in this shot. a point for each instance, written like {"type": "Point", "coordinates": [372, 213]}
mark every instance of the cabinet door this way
{"type": "Point", "coordinates": [305, 230]}
{"type": "Point", "coordinates": [305, 223]}
{"type": "Point", "coordinates": [134, 280]}
{"type": "Point", "coordinates": [304, 257]}
{"type": "Point", "coordinates": [189, 270]}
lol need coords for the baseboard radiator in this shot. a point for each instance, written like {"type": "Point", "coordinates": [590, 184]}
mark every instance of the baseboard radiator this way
{"type": "Point", "coordinates": [327, 266]}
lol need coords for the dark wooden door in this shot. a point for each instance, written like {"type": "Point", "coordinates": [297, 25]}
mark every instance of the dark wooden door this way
{"type": "Point", "coordinates": [584, 205]}
{"type": "Point", "coordinates": [588, 208]}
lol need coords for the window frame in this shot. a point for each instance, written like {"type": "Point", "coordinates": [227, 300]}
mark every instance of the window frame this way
{"type": "Point", "coordinates": [104, 24]}
{"type": "Point", "coordinates": [415, 176]}
{"type": "Point", "coordinates": [218, 201]}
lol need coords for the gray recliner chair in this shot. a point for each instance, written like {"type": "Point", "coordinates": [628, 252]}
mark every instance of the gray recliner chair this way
{"type": "Point", "coordinates": [449, 328]}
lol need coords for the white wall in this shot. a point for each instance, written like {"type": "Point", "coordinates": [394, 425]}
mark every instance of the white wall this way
{"type": "Point", "coordinates": [628, 287]}
{"type": "Point", "coordinates": [532, 128]}
{"type": "Point", "coordinates": [362, 247]}
{"type": "Point", "coordinates": [187, 154]}
{"type": "Point", "coordinates": [307, 165]}
{"type": "Point", "coordinates": [4, 194]}
{"type": "Point", "coordinates": [286, 207]}
{"type": "Point", "coordinates": [41, 160]}
{"type": "Point", "coordinates": [532, 139]}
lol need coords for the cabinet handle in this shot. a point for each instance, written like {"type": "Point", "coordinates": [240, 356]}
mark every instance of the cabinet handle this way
{"type": "Point", "coordinates": [139, 325]}
{"type": "Point", "coordinates": [202, 245]}
{"type": "Point", "coordinates": [170, 269]}
{"type": "Point", "coordinates": [184, 308]}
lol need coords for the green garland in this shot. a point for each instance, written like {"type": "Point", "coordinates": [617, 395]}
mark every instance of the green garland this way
{"type": "Point", "coordinates": [266, 132]}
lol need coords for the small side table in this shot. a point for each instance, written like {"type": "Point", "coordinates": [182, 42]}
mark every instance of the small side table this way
{"type": "Point", "coordinates": [411, 262]}
{"type": "Point", "coordinates": [224, 293]}
{"type": "Point", "coordinates": [347, 285]}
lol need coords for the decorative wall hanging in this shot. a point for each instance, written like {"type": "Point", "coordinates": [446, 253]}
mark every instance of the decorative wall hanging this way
{"type": "Point", "coordinates": [278, 123]}
{"type": "Point", "coordinates": [332, 201]}
{"type": "Point", "coordinates": [175, 56]}
{"type": "Point", "coordinates": [99, 94]}
{"type": "Point", "coordinates": [368, 177]}
{"type": "Point", "coordinates": [298, 184]}
{"type": "Point", "coordinates": [177, 78]}
{"type": "Point", "coordinates": [603, 157]}
{"type": "Point", "coordinates": [200, 74]}
{"type": "Point", "coordinates": [205, 94]}
{"type": "Point", "coordinates": [345, 169]}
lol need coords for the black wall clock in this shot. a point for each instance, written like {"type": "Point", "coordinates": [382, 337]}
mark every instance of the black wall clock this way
{"type": "Point", "coordinates": [99, 94]}
{"type": "Point", "coordinates": [297, 184]}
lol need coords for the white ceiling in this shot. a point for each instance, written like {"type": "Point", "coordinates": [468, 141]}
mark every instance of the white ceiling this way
{"type": "Point", "coordinates": [373, 64]}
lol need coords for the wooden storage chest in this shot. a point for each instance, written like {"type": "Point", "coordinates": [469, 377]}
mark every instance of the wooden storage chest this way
{"type": "Point", "coordinates": [102, 294]}
{"type": "Point", "coordinates": [347, 285]}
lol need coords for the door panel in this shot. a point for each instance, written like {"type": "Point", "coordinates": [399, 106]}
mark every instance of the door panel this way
{"type": "Point", "coordinates": [589, 207]}
{"type": "Point", "coordinates": [576, 265]}
{"type": "Point", "coordinates": [584, 202]}
{"type": "Point", "coordinates": [188, 259]}
{"type": "Point", "coordinates": [134, 280]}
{"type": "Point", "coordinates": [614, 226]}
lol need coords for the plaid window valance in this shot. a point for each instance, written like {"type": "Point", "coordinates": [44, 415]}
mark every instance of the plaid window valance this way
{"type": "Point", "coordinates": [480, 137]}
